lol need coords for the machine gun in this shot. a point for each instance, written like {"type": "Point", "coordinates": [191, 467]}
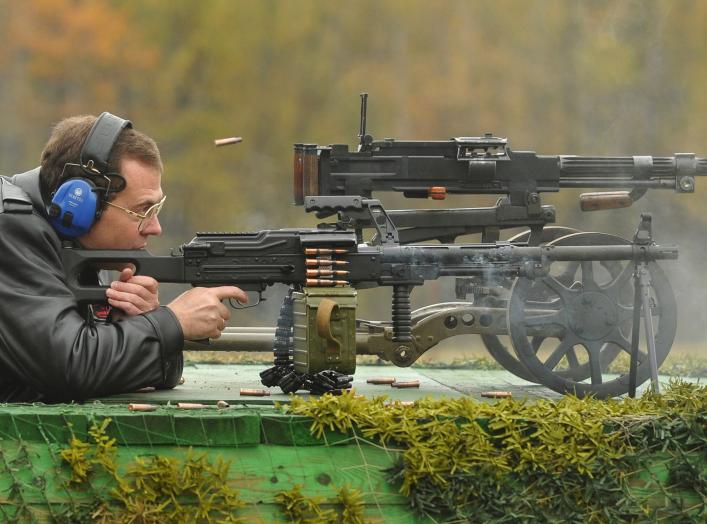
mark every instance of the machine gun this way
{"type": "Point", "coordinates": [477, 166]}
{"type": "Point", "coordinates": [326, 265]}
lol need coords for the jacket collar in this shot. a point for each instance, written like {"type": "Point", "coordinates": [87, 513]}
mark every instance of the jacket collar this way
{"type": "Point", "coordinates": [29, 183]}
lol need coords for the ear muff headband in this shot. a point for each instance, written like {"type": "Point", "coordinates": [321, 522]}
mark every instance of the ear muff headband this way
{"type": "Point", "coordinates": [78, 201]}
{"type": "Point", "coordinates": [100, 141]}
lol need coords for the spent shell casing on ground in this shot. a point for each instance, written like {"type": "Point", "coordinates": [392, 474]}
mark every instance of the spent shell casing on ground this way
{"type": "Point", "coordinates": [142, 407]}
{"type": "Point", "coordinates": [247, 392]}
{"type": "Point", "coordinates": [325, 251]}
{"type": "Point", "coordinates": [190, 405]}
{"type": "Point", "coordinates": [496, 394]}
{"type": "Point", "coordinates": [406, 384]}
{"type": "Point", "coordinates": [381, 380]}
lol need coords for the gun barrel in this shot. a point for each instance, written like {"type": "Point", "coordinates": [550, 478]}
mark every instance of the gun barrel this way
{"type": "Point", "coordinates": [632, 171]}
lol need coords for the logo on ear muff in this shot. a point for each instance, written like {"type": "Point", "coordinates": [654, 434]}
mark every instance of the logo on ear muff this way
{"type": "Point", "coordinates": [74, 207]}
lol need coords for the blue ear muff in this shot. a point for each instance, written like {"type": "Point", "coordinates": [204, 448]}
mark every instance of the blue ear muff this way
{"type": "Point", "coordinates": [74, 207]}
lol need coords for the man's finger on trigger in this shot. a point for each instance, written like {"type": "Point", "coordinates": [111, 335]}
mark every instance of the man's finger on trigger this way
{"type": "Point", "coordinates": [223, 292]}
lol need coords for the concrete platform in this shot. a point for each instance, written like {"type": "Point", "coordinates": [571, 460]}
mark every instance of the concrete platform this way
{"type": "Point", "coordinates": [209, 383]}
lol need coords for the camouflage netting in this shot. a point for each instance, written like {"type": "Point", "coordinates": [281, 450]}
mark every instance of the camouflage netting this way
{"type": "Point", "coordinates": [351, 459]}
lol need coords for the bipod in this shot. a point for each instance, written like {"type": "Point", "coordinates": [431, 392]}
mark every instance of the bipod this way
{"type": "Point", "coordinates": [642, 302]}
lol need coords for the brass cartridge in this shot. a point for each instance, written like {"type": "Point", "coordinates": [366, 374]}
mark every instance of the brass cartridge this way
{"type": "Point", "coordinates": [325, 251]}
{"type": "Point", "coordinates": [381, 380]}
{"type": "Point", "coordinates": [326, 272]}
{"type": "Point", "coordinates": [406, 384]}
{"type": "Point", "coordinates": [321, 282]}
{"type": "Point", "coordinates": [314, 262]}
{"type": "Point", "coordinates": [247, 392]}
{"type": "Point", "coordinates": [142, 407]}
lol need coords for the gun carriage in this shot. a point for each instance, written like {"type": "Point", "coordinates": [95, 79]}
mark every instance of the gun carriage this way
{"type": "Point", "coordinates": [569, 302]}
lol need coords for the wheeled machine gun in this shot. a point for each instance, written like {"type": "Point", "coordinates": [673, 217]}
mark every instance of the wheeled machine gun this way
{"type": "Point", "coordinates": [570, 302]}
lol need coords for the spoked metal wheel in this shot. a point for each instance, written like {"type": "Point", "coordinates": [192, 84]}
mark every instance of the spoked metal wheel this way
{"type": "Point", "coordinates": [590, 321]}
{"type": "Point", "coordinates": [500, 347]}
{"type": "Point", "coordinates": [570, 274]}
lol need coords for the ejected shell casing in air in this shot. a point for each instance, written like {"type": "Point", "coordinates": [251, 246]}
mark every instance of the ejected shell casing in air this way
{"type": "Point", "coordinates": [311, 262]}
{"type": "Point", "coordinates": [227, 141]}
{"type": "Point", "coordinates": [325, 251]}
{"type": "Point", "coordinates": [321, 282]}
{"type": "Point", "coordinates": [326, 272]}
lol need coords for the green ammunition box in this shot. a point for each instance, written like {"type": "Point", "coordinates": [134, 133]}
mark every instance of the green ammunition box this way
{"type": "Point", "coordinates": [325, 329]}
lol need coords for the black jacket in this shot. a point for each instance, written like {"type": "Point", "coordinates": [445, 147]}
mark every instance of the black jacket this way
{"type": "Point", "coordinates": [51, 350]}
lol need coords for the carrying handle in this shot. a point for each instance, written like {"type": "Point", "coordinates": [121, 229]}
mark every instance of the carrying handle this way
{"type": "Point", "coordinates": [326, 308]}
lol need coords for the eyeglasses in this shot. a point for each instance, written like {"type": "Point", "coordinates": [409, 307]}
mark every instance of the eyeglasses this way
{"type": "Point", "coordinates": [144, 218]}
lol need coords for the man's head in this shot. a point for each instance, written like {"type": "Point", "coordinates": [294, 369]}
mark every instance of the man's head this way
{"type": "Point", "coordinates": [135, 157]}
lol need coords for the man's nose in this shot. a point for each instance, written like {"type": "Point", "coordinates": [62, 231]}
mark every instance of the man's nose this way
{"type": "Point", "coordinates": [153, 227]}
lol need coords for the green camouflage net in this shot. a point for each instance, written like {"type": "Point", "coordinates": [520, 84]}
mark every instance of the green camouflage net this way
{"type": "Point", "coordinates": [350, 459]}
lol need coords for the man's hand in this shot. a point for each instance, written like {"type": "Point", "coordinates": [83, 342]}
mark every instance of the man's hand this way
{"type": "Point", "coordinates": [133, 294]}
{"type": "Point", "coordinates": [201, 313]}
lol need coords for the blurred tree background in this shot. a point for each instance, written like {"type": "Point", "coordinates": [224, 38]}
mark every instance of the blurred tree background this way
{"type": "Point", "coordinates": [555, 76]}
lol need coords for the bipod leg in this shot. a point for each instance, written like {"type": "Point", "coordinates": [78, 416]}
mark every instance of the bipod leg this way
{"type": "Point", "coordinates": [645, 284]}
{"type": "Point", "coordinates": [635, 332]}
{"type": "Point", "coordinates": [642, 300]}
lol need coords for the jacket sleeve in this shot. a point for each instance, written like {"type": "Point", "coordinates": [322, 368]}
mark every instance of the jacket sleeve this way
{"type": "Point", "coordinates": [48, 345]}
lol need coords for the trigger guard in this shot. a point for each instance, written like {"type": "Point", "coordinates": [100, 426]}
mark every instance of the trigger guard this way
{"type": "Point", "coordinates": [240, 305]}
